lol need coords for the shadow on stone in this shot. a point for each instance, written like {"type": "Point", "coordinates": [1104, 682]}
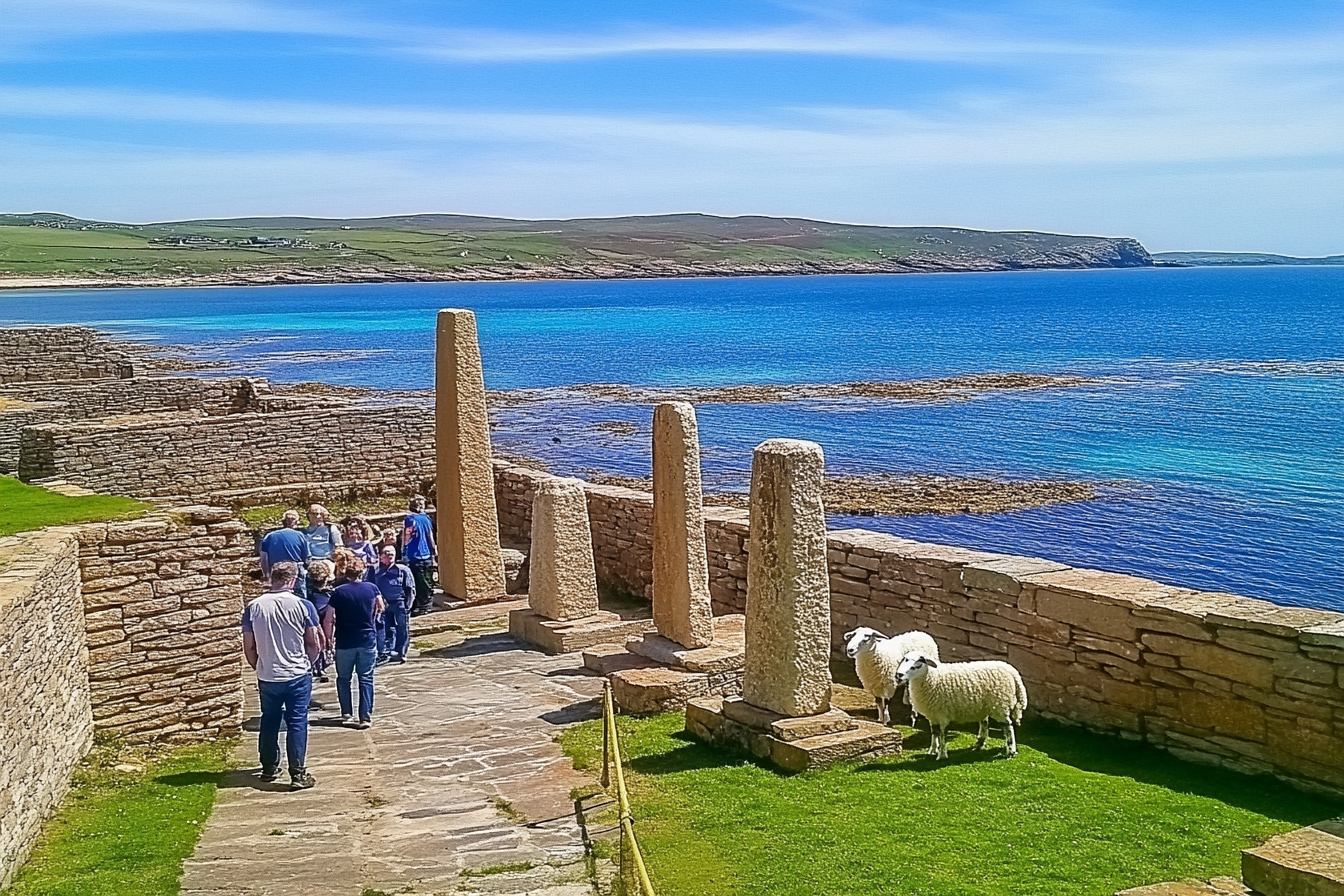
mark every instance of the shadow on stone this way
{"type": "Point", "coordinates": [477, 646]}
{"type": "Point", "coordinates": [574, 712]}
{"type": "Point", "coordinates": [247, 777]}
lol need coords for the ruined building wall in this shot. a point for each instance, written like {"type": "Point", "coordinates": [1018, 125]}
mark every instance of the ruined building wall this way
{"type": "Point", "coordinates": [389, 448]}
{"type": "Point", "coordinates": [46, 724]}
{"type": "Point", "coordinates": [1216, 678]}
{"type": "Point", "coordinates": [61, 353]}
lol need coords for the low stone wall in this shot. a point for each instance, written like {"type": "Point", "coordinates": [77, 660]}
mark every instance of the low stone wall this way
{"type": "Point", "coordinates": [1211, 677]}
{"type": "Point", "coordinates": [162, 597]}
{"type": "Point", "coordinates": [62, 353]}
{"type": "Point", "coordinates": [29, 404]}
{"type": "Point", "coordinates": [392, 447]}
{"type": "Point", "coordinates": [46, 725]}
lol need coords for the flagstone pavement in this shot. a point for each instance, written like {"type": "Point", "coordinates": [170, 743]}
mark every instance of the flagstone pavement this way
{"type": "Point", "coordinates": [458, 787]}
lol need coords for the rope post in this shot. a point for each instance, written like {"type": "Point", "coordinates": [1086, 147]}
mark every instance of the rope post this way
{"type": "Point", "coordinates": [606, 735]}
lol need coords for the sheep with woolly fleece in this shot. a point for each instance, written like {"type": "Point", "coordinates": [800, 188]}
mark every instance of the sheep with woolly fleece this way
{"type": "Point", "coordinates": [876, 658]}
{"type": "Point", "coordinates": [964, 692]}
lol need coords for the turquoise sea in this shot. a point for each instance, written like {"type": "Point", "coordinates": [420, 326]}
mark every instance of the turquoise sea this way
{"type": "Point", "coordinates": [1217, 428]}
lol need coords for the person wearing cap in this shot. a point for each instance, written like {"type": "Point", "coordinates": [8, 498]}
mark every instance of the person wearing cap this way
{"type": "Point", "coordinates": [397, 587]}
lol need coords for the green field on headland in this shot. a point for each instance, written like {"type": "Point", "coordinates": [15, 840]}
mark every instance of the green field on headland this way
{"type": "Point", "coordinates": [432, 247]}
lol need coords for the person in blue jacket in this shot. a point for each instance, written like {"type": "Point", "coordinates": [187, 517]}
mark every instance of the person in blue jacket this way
{"type": "Point", "coordinates": [397, 586]}
{"type": "Point", "coordinates": [287, 545]}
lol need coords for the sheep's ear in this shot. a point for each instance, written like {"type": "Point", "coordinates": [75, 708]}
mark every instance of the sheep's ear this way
{"type": "Point", "coordinates": [933, 663]}
{"type": "Point", "coordinates": [881, 637]}
{"type": "Point", "coordinates": [849, 635]}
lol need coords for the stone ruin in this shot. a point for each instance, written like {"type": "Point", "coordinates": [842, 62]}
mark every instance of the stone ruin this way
{"type": "Point", "coordinates": [563, 614]}
{"type": "Point", "coordinates": [784, 714]}
{"type": "Point", "coordinates": [692, 653]}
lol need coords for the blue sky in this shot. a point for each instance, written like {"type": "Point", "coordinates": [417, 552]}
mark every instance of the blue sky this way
{"type": "Point", "coordinates": [1188, 125]}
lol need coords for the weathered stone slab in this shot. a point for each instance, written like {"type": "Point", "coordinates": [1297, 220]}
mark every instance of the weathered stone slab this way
{"type": "Point", "coordinates": [1219, 886]}
{"type": "Point", "coordinates": [833, 721]}
{"type": "Point", "coordinates": [868, 740]}
{"type": "Point", "coordinates": [1305, 862]}
{"type": "Point", "coordinates": [745, 713]}
{"type": "Point", "coordinates": [725, 653]}
{"type": "Point", "coordinates": [681, 605]}
{"type": "Point", "coordinates": [788, 586]}
{"type": "Point", "coordinates": [470, 567]}
{"type": "Point", "coordinates": [563, 581]}
{"type": "Point", "coordinates": [605, 659]}
{"type": "Point", "coordinates": [572, 635]}
{"type": "Point", "coordinates": [658, 689]}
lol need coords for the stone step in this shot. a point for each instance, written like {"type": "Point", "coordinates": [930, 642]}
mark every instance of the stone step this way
{"type": "Point", "coordinates": [867, 739]}
{"type": "Point", "coordinates": [733, 722]}
{"type": "Point", "coordinates": [1305, 862]}
{"type": "Point", "coordinates": [570, 636]}
{"type": "Point", "coordinates": [605, 659]}
{"type": "Point", "coordinates": [725, 654]}
{"type": "Point", "coordinates": [656, 689]}
{"type": "Point", "coordinates": [1219, 886]}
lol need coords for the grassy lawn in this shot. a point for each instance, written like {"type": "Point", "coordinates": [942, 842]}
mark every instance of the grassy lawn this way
{"type": "Point", "coordinates": [262, 517]}
{"type": "Point", "coordinates": [1075, 814]}
{"type": "Point", "coordinates": [23, 507]}
{"type": "Point", "coordinates": [132, 817]}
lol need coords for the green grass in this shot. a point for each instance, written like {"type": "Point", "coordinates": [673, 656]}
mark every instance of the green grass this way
{"type": "Point", "coordinates": [1074, 814]}
{"type": "Point", "coordinates": [268, 516]}
{"type": "Point", "coordinates": [127, 832]}
{"type": "Point", "coordinates": [23, 507]}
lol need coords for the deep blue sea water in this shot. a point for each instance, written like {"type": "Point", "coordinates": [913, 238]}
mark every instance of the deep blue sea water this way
{"type": "Point", "coordinates": [1219, 426]}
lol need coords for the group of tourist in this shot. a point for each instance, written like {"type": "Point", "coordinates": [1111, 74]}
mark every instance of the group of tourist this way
{"type": "Point", "coordinates": [339, 595]}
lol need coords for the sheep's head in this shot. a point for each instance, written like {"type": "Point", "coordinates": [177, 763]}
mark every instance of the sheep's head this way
{"type": "Point", "coordinates": [859, 638]}
{"type": "Point", "coordinates": [914, 665]}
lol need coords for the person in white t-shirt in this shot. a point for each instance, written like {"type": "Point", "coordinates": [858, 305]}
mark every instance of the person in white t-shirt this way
{"type": "Point", "coordinates": [280, 640]}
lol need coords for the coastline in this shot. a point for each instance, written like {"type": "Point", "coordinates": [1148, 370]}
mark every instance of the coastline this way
{"type": "Point", "coordinates": [488, 273]}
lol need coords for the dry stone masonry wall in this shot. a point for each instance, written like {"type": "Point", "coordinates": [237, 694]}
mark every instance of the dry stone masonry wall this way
{"type": "Point", "coordinates": [162, 599]}
{"type": "Point", "coordinates": [1215, 678]}
{"type": "Point", "coordinates": [380, 447]}
{"type": "Point", "coordinates": [62, 353]}
{"type": "Point", "coordinates": [46, 724]}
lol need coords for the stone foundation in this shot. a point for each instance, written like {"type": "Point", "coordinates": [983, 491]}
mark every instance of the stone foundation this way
{"type": "Point", "coordinates": [793, 744]}
{"type": "Point", "coordinates": [652, 674]}
{"type": "Point", "coordinates": [572, 635]}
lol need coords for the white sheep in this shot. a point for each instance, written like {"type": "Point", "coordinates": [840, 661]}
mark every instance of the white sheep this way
{"type": "Point", "coordinates": [964, 692]}
{"type": "Point", "coordinates": [875, 659]}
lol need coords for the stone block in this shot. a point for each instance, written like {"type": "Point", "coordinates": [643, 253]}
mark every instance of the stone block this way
{"type": "Point", "coordinates": [1305, 862]}
{"type": "Point", "coordinates": [605, 659]}
{"type": "Point", "coordinates": [657, 689]}
{"type": "Point", "coordinates": [797, 728]}
{"type": "Point", "coordinates": [681, 604]}
{"type": "Point", "coordinates": [563, 580]}
{"type": "Point", "coordinates": [1087, 613]}
{"type": "Point", "coordinates": [788, 592]}
{"type": "Point", "coordinates": [468, 523]}
{"type": "Point", "coordinates": [1218, 886]}
{"type": "Point", "coordinates": [572, 635]}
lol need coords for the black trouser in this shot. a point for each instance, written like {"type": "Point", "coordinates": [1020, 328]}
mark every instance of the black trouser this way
{"type": "Point", "coordinates": [421, 571]}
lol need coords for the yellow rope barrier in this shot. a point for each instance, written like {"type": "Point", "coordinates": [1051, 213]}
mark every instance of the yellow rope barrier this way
{"type": "Point", "coordinates": [611, 756]}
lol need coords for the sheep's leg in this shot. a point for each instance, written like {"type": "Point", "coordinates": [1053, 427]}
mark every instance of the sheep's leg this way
{"type": "Point", "coordinates": [1011, 737]}
{"type": "Point", "coordinates": [933, 739]}
{"type": "Point", "coordinates": [881, 710]}
{"type": "Point", "coordinates": [942, 741]}
{"type": "Point", "coordinates": [984, 732]}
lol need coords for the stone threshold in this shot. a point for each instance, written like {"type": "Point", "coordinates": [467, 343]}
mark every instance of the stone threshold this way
{"type": "Point", "coordinates": [555, 636]}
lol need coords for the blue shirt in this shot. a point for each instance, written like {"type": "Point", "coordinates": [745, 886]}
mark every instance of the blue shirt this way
{"type": "Point", "coordinates": [395, 583]}
{"type": "Point", "coordinates": [286, 545]}
{"type": "Point", "coordinates": [418, 543]}
{"type": "Point", "coordinates": [322, 539]}
{"type": "Point", "coordinates": [355, 604]}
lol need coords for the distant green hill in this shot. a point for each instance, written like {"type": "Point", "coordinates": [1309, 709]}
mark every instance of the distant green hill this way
{"type": "Point", "coordinates": [1200, 259]}
{"type": "Point", "coordinates": [437, 247]}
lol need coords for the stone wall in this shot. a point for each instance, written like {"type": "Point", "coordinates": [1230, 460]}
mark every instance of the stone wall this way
{"type": "Point", "coordinates": [389, 448]}
{"type": "Point", "coordinates": [62, 353]}
{"type": "Point", "coordinates": [1214, 678]}
{"type": "Point", "coordinates": [162, 598]}
{"type": "Point", "coordinates": [29, 404]}
{"type": "Point", "coordinates": [46, 725]}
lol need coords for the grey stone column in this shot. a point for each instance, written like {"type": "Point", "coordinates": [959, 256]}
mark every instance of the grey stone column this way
{"type": "Point", "coordinates": [470, 567]}
{"type": "Point", "coordinates": [681, 605]}
{"type": "Point", "coordinates": [788, 588]}
{"type": "Point", "coordinates": [562, 579]}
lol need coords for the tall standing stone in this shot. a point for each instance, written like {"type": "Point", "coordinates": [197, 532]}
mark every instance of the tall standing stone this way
{"type": "Point", "coordinates": [562, 580]}
{"type": "Point", "coordinates": [681, 605]}
{"type": "Point", "coordinates": [470, 567]}
{"type": "Point", "coordinates": [788, 586]}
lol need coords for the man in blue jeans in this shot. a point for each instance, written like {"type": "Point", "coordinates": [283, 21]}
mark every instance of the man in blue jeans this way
{"type": "Point", "coordinates": [397, 587]}
{"type": "Point", "coordinates": [280, 641]}
{"type": "Point", "coordinates": [357, 606]}
{"type": "Point", "coordinates": [420, 552]}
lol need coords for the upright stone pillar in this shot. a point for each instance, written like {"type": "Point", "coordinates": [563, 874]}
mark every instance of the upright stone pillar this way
{"type": "Point", "coordinates": [562, 580]}
{"type": "Point", "coordinates": [788, 587]}
{"type": "Point", "coordinates": [470, 567]}
{"type": "Point", "coordinates": [681, 605]}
